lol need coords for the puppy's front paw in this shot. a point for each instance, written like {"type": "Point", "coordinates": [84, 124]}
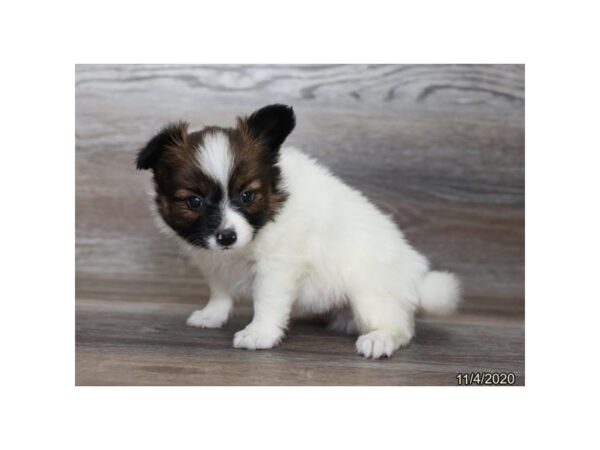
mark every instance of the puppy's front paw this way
{"type": "Point", "coordinates": [257, 336]}
{"type": "Point", "coordinates": [206, 318]}
{"type": "Point", "coordinates": [376, 344]}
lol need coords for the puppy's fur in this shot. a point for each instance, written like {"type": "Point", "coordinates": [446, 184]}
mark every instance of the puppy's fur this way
{"type": "Point", "coordinates": [273, 225]}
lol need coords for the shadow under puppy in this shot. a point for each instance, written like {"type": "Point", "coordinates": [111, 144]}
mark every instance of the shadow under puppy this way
{"type": "Point", "coordinates": [272, 224]}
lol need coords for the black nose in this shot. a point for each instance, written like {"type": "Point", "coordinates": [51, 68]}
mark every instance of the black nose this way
{"type": "Point", "coordinates": [226, 237]}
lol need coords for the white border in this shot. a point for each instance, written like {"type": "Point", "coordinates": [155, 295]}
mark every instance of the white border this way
{"type": "Point", "coordinates": [43, 41]}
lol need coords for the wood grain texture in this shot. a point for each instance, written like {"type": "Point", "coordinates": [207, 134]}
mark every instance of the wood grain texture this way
{"type": "Point", "coordinates": [147, 344]}
{"type": "Point", "coordinates": [440, 148]}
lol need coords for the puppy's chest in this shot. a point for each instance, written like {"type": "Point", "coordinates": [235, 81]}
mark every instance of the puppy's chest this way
{"type": "Point", "coordinates": [316, 291]}
{"type": "Point", "coordinates": [232, 273]}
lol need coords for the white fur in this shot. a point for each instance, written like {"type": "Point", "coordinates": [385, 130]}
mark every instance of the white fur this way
{"type": "Point", "coordinates": [328, 248]}
{"type": "Point", "coordinates": [213, 315]}
{"type": "Point", "coordinates": [215, 157]}
{"type": "Point", "coordinates": [439, 293]}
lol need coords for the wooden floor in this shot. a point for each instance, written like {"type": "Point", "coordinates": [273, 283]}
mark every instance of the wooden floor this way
{"type": "Point", "coordinates": [441, 148]}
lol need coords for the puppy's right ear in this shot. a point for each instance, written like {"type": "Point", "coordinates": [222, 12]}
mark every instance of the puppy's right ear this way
{"type": "Point", "coordinates": [173, 135]}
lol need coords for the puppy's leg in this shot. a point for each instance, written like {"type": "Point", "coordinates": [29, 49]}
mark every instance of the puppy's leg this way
{"type": "Point", "coordinates": [343, 322]}
{"type": "Point", "coordinates": [386, 324]}
{"type": "Point", "coordinates": [215, 313]}
{"type": "Point", "coordinates": [274, 293]}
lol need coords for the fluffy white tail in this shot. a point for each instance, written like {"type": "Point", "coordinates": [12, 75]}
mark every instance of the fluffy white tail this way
{"type": "Point", "coordinates": [439, 293]}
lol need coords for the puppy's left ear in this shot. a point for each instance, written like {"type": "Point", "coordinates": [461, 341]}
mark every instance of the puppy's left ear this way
{"type": "Point", "coordinates": [272, 124]}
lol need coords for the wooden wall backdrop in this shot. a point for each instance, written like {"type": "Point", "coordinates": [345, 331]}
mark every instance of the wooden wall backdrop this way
{"type": "Point", "coordinates": [441, 148]}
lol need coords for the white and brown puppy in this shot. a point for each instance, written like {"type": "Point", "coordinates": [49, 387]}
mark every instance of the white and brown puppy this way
{"type": "Point", "coordinates": [271, 224]}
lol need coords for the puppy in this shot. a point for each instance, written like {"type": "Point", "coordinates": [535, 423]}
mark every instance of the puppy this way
{"type": "Point", "coordinates": [272, 224]}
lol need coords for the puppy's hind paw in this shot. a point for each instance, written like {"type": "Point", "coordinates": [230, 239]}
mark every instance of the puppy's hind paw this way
{"type": "Point", "coordinates": [342, 323]}
{"type": "Point", "coordinates": [257, 337]}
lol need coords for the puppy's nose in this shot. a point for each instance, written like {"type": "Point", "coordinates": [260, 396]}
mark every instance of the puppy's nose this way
{"type": "Point", "coordinates": [226, 237]}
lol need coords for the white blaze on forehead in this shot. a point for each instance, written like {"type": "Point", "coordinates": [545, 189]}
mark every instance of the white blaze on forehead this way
{"type": "Point", "coordinates": [215, 157]}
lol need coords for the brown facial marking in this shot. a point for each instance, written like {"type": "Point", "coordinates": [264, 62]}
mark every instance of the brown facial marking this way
{"type": "Point", "coordinates": [182, 194]}
{"type": "Point", "coordinates": [254, 169]}
{"type": "Point", "coordinates": [254, 186]}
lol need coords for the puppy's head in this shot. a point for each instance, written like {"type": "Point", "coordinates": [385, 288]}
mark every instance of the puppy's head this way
{"type": "Point", "coordinates": [217, 187]}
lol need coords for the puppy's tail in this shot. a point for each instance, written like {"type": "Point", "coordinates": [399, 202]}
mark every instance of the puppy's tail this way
{"type": "Point", "coordinates": [439, 292]}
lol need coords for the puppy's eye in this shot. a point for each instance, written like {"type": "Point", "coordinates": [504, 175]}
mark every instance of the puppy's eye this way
{"type": "Point", "coordinates": [247, 197]}
{"type": "Point", "coordinates": [194, 202]}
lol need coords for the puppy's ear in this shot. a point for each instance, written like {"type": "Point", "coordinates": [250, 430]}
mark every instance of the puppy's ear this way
{"type": "Point", "coordinates": [272, 124]}
{"type": "Point", "coordinates": [173, 135]}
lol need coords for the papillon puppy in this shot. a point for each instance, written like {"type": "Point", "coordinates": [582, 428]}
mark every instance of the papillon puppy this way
{"type": "Point", "coordinates": [272, 225]}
